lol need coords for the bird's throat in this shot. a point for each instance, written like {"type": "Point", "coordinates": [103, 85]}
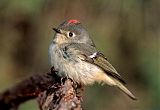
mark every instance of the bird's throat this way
{"type": "Point", "coordinates": [60, 39]}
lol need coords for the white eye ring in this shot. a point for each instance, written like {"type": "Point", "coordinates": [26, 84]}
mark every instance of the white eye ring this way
{"type": "Point", "coordinates": [71, 34]}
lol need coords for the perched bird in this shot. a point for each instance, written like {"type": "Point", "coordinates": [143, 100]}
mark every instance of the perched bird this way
{"type": "Point", "coordinates": [73, 53]}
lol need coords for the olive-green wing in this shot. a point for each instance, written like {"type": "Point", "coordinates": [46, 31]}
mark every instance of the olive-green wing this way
{"type": "Point", "coordinates": [89, 54]}
{"type": "Point", "coordinates": [101, 61]}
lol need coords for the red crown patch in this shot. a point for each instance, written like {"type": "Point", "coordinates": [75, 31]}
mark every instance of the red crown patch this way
{"type": "Point", "coordinates": [73, 21]}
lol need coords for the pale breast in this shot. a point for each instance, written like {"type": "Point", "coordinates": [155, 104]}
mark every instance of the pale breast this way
{"type": "Point", "coordinates": [76, 69]}
{"type": "Point", "coordinates": [56, 58]}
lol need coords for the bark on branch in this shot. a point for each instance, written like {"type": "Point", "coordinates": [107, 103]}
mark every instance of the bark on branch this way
{"type": "Point", "coordinates": [53, 92]}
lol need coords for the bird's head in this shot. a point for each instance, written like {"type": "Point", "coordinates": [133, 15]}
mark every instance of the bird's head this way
{"type": "Point", "coordinates": [71, 31]}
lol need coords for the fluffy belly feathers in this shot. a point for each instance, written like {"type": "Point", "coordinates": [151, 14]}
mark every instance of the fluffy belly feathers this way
{"type": "Point", "coordinates": [76, 69]}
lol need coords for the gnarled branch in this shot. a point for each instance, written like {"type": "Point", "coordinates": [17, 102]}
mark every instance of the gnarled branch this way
{"type": "Point", "coordinates": [52, 91]}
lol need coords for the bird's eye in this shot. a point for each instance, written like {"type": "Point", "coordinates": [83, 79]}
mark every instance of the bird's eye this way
{"type": "Point", "coordinates": [71, 34]}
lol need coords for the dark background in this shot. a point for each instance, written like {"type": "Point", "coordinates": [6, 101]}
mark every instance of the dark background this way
{"type": "Point", "coordinates": [126, 31]}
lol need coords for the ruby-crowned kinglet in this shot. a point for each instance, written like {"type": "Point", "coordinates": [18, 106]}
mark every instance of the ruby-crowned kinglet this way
{"type": "Point", "coordinates": [73, 53]}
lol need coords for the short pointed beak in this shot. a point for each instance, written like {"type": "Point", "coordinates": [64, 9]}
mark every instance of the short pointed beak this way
{"type": "Point", "coordinates": [57, 30]}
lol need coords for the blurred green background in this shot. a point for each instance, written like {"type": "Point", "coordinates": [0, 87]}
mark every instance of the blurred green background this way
{"type": "Point", "coordinates": [126, 31]}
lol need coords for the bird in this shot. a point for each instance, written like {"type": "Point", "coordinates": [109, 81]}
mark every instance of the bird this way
{"type": "Point", "coordinates": [73, 53]}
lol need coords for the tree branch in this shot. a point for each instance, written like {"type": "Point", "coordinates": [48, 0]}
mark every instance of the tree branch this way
{"type": "Point", "coordinates": [52, 91]}
{"type": "Point", "coordinates": [62, 98]}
